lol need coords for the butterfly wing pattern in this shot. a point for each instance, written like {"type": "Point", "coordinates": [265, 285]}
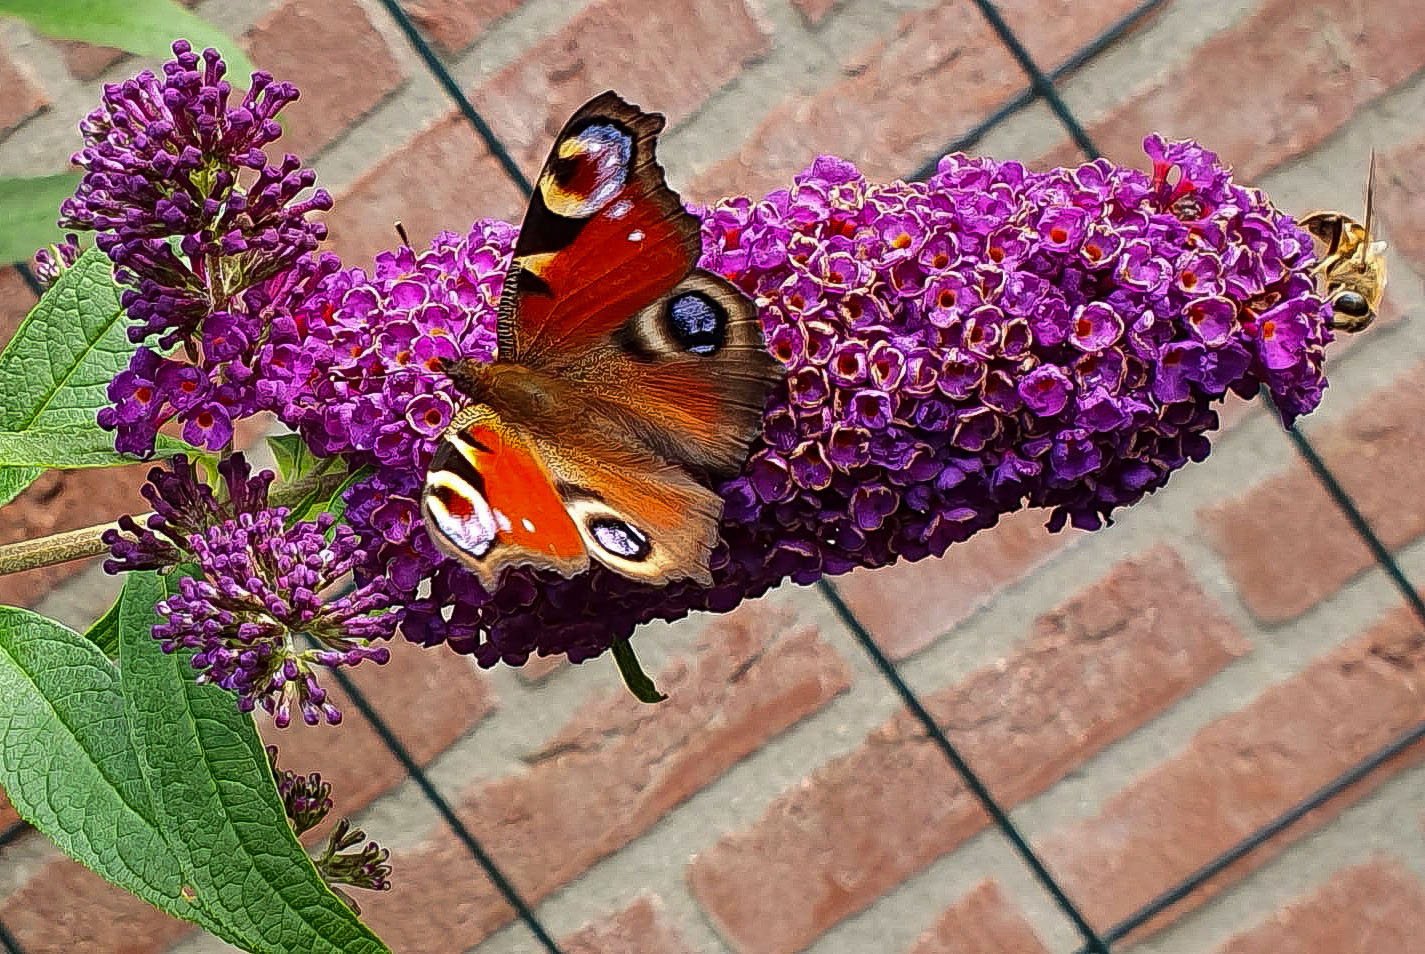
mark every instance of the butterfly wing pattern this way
{"type": "Point", "coordinates": [627, 379]}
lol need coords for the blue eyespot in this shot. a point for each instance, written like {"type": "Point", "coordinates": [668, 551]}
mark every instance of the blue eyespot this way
{"type": "Point", "coordinates": [697, 323]}
{"type": "Point", "coordinates": [620, 539]}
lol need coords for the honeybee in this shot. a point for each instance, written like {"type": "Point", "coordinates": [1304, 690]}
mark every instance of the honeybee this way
{"type": "Point", "coordinates": [1352, 271]}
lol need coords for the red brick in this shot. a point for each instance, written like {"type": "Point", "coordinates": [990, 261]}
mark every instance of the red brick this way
{"type": "Point", "coordinates": [85, 61]}
{"type": "Point", "coordinates": [20, 94]}
{"type": "Point", "coordinates": [814, 11]}
{"type": "Point", "coordinates": [1090, 672]}
{"type": "Point", "coordinates": [337, 59]}
{"type": "Point", "coordinates": [1373, 908]}
{"type": "Point", "coordinates": [903, 97]}
{"type": "Point", "coordinates": [66, 907]}
{"type": "Point", "coordinates": [908, 606]}
{"type": "Point", "coordinates": [443, 178]}
{"type": "Point", "coordinates": [982, 922]}
{"type": "Point", "coordinates": [540, 668]}
{"type": "Point", "coordinates": [428, 697]}
{"type": "Point", "coordinates": [64, 500]}
{"type": "Point", "coordinates": [452, 25]}
{"type": "Point", "coordinates": [1273, 85]}
{"type": "Point", "coordinates": [1286, 543]}
{"type": "Point", "coordinates": [8, 815]}
{"type": "Point", "coordinates": [640, 928]}
{"type": "Point", "coordinates": [615, 769]}
{"type": "Point", "coordinates": [16, 300]}
{"type": "Point", "coordinates": [1241, 772]}
{"type": "Point", "coordinates": [1400, 201]}
{"type": "Point", "coordinates": [667, 57]}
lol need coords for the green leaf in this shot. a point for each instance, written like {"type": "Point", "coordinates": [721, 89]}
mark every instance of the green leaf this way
{"type": "Point", "coordinates": [338, 502]}
{"type": "Point", "coordinates": [105, 631]}
{"type": "Point", "coordinates": [633, 675]}
{"type": "Point", "coordinates": [56, 371]}
{"type": "Point", "coordinates": [14, 480]}
{"type": "Point", "coordinates": [146, 27]}
{"type": "Point", "coordinates": [72, 447]}
{"type": "Point", "coordinates": [213, 789]}
{"type": "Point", "coordinates": [67, 763]}
{"type": "Point", "coordinates": [294, 458]}
{"type": "Point", "coordinates": [29, 207]}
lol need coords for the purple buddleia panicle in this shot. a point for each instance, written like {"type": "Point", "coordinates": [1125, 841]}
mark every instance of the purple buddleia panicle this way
{"type": "Point", "coordinates": [207, 236]}
{"type": "Point", "coordinates": [953, 350]}
{"type": "Point", "coordinates": [266, 589]}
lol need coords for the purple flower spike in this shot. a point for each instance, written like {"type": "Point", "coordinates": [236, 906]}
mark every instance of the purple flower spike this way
{"type": "Point", "coordinates": [953, 350]}
{"type": "Point", "coordinates": [210, 239]}
{"type": "Point", "coordinates": [263, 591]}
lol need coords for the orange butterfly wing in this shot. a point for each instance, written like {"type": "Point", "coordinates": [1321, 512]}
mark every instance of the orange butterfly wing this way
{"type": "Point", "coordinates": [603, 236]}
{"type": "Point", "coordinates": [492, 502]}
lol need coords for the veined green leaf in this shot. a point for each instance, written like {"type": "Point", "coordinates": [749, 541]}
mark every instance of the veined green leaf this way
{"type": "Point", "coordinates": [29, 207]}
{"type": "Point", "coordinates": [145, 27]}
{"type": "Point", "coordinates": [215, 795]}
{"type": "Point", "coordinates": [14, 480]}
{"type": "Point", "coordinates": [75, 447]}
{"type": "Point", "coordinates": [294, 458]}
{"type": "Point", "coordinates": [105, 631]}
{"type": "Point", "coordinates": [68, 765]}
{"type": "Point", "coordinates": [56, 370]}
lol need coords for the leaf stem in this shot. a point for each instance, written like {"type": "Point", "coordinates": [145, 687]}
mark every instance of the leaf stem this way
{"type": "Point", "coordinates": [85, 542]}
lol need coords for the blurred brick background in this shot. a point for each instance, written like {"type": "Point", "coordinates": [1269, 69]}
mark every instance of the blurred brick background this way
{"type": "Point", "coordinates": [1143, 696]}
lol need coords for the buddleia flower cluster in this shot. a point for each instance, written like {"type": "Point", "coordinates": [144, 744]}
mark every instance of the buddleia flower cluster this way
{"type": "Point", "coordinates": [345, 862]}
{"type": "Point", "coordinates": [952, 350]}
{"type": "Point", "coordinates": [262, 614]}
{"type": "Point", "coordinates": [209, 236]}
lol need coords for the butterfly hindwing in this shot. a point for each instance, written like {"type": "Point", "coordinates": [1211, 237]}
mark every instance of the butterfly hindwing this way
{"type": "Point", "coordinates": [496, 497]}
{"type": "Point", "coordinates": [638, 516]}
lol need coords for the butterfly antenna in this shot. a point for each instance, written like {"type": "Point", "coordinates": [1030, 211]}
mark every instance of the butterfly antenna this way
{"type": "Point", "coordinates": [401, 231]}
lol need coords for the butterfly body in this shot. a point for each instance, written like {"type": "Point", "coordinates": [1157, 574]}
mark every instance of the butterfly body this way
{"type": "Point", "coordinates": [626, 380]}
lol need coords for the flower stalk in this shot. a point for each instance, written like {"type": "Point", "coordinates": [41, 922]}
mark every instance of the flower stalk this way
{"type": "Point", "coordinates": [85, 542]}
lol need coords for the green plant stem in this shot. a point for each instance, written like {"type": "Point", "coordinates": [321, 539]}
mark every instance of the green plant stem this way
{"type": "Point", "coordinates": [85, 542]}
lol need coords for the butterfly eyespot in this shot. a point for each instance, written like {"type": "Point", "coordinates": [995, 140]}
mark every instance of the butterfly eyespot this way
{"type": "Point", "coordinates": [589, 168]}
{"type": "Point", "coordinates": [697, 323]}
{"type": "Point", "coordinates": [619, 538]}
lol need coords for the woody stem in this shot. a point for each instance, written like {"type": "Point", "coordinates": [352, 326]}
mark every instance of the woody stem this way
{"type": "Point", "coordinates": [85, 542]}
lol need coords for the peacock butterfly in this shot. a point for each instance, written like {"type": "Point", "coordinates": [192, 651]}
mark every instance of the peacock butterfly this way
{"type": "Point", "coordinates": [627, 380]}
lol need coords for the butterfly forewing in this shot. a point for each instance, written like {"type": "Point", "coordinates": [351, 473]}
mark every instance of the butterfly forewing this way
{"type": "Point", "coordinates": [603, 235]}
{"type": "Point", "coordinates": [492, 502]}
